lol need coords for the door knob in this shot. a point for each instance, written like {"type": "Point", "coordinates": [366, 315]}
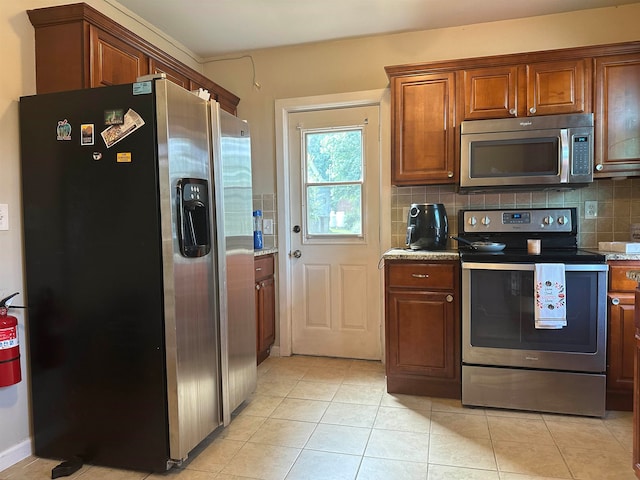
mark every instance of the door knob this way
{"type": "Point", "coordinates": [296, 254]}
{"type": "Point", "coordinates": [296, 229]}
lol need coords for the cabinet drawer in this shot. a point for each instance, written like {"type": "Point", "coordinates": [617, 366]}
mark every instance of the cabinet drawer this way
{"type": "Point", "coordinates": [433, 276]}
{"type": "Point", "coordinates": [263, 266]}
{"type": "Point", "coordinates": [618, 281]}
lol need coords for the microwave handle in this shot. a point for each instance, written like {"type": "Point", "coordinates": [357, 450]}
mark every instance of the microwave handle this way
{"type": "Point", "coordinates": [565, 152]}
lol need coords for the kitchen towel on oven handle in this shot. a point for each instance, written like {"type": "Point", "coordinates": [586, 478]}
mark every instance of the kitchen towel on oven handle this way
{"type": "Point", "coordinates": [550, 295]}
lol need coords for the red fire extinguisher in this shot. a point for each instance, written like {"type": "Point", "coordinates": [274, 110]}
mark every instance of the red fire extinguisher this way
{"type": "Point", "coordinates": [9, 347]}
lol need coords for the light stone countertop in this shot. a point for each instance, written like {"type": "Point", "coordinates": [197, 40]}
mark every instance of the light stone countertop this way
{"type": "Point", "coordinates": [265, 251]}
{"type": "Point", "coordinates": [406, 254]}
{"type": "Point", "coordinates": [610, 256]}
{"type": "Point", "coordinates": [634, 275]}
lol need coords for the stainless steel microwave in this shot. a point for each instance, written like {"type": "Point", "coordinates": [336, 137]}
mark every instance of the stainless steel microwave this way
{"type": "Point", "coordinates": [553, 152]}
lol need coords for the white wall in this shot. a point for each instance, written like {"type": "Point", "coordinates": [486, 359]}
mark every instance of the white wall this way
{"type": "Point", "coordinates": [354, 65]}
{"type": "Point", "coordinates": [288, 72]}
{"type": "Point", "coordinates": [18, 79]}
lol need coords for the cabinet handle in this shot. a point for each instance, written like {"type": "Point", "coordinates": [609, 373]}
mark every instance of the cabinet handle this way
{"type": "Point", "coordinates": [615, 301]}
{"type": "Point", "coordinates": [450, 174]}
{"type": "Point", "coordinates": [532, 110]}
{"type": "Point", "coordinates": [512, 111]}
{"type": "Point", "coordinates": [258, 269]}
{"type": "Point", "coordinates": [420, 275]}
{"type": "Point", "coordinates": [449, 298]}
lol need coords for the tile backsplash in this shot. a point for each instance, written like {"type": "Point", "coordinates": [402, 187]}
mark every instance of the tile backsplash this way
{"type": "Point", "coordinates": [267, 203]}
{"type": "Point", "coordinates": [618, 207]}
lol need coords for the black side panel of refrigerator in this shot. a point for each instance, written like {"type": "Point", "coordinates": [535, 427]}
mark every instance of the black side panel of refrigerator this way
{"type": "Point", "coordinates": [94, 280]}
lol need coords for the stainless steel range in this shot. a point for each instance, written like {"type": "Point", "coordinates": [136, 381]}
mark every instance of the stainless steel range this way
{"type": "Point", "coordinates": [508, 359]}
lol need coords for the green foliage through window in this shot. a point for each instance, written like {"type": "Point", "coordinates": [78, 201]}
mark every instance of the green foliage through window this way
{"type": "Point", "coordinates": [334, 171]}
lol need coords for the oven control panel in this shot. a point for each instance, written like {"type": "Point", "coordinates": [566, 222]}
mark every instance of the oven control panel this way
{"type": "Point", "coordinates": [519, 220]}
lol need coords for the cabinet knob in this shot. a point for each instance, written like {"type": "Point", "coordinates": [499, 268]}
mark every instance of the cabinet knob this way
{"type": "Point", "coordinates": [512, 111]}
{"type": "Point", "coordinates": [449, 298]}
{"type": "Point", "coordinates": [257, 286]}
{"type": "Point", "coordinates": [599, 167]}
{"type": "Point", "coordinates": [615, 301]}
{"type": "Point", "coordinates": [450, 174]}
{"type": "Point", "coordinates": [532, 110]}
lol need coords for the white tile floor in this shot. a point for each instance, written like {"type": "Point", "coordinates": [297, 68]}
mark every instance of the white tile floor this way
{"type": "Point", "coordinates": [331, 419]}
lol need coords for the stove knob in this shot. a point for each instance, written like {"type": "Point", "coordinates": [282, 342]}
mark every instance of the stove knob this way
{"type": "Point", "coordinates": [547, 220]}
{"type": "Point", "coordinates": [472, 221]}
{"type": "Point", "coordinates": [486, 220]}
{"type": "Point", "coordinates": [563, 220]}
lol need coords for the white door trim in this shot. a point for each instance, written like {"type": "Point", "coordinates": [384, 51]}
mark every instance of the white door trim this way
{"type": "Point", "coordinates": [283, 108]}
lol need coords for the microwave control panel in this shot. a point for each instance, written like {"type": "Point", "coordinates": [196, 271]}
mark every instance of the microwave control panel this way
{"type": "Point", "coordinates": [581, 155]}
{"type": "Point", "coordinates": [525, 220]}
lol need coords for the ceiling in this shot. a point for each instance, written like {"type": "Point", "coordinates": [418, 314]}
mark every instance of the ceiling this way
{"type": "Point", "coordinates": [212, 28]}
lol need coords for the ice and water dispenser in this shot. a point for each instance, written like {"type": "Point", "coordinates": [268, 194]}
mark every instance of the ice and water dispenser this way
{"type": "Point", "coordinates": [194, 227]}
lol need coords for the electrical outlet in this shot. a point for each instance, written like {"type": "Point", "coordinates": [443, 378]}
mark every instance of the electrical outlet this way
{"type": "Point", "coordinates": [267, 226]}
{"type": "Point", "coordinates": [4, 216]}
{"type": "Point", "coordinates": [590, 209]}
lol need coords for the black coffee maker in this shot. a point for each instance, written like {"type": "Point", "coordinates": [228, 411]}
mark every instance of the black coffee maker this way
{"type": "Point", "coordinates": [427, 227]}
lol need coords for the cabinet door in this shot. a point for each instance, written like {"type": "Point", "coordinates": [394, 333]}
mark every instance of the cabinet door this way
{"type": "Point", "coordinates": [266, 314]}
{"type": "Point", "coordinates": [420, 334]}
{"type": "Point", "coordinates": [558, 87]}
{"type": "Point", "coordinates": [617, 116]}
{"type": "Point", "coordinates": [620, 351]}
{"type": "Point", "coordinates": [490, 92]}
{"type": "Point", "coordinates": [155, 66]}
{"type": "Point", "coordinates": [423, 130]}
{"type": "Point", "coordinates": [114, 62]}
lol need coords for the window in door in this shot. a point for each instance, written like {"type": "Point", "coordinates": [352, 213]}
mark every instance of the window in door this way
{"type": "Point", "coordinates": [333, 178]}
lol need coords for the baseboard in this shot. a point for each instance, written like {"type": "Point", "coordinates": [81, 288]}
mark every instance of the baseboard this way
{"type": "Point", "coordinates": [275, 351]}
{"type": "Point", "coordinates": [13, 455]}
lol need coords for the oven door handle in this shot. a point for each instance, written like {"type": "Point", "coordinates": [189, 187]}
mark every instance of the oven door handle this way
{"type": "Point", "coordinates": [568, 267]}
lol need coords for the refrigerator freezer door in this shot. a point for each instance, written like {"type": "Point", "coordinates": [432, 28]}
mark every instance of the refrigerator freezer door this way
{"type": "Point", "coordinates": [234, 230]}
{"type": "Point", "coordinates": [193, 390]}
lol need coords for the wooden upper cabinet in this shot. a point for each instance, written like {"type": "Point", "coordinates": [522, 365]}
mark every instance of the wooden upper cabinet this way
{"type": "Point", "coordinates": [558, 87]}
{"type": "Point", "coordinates": [617, 115]}
{"type": "Point", "coordinates": [79, 47]}
{"type": "Point", "coordinates": [423, 124]}
{"type": "Point", "coordinates": [489, 92]}
{"type": "Point", "coordinates": [156, 66]}
{"type": "Point", "coordinates": [114, 62]}
{"type": "Point", "coordinates": [526, 90]}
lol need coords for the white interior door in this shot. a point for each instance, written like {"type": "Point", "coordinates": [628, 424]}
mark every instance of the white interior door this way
{"type": "Point", "coordinates": [335, 232]}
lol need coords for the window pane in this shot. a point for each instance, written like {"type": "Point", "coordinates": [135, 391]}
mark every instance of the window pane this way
{"type": "Point", "coordinates": [334, 156]}
{"type": "Point", "coordinates": [335, 210]}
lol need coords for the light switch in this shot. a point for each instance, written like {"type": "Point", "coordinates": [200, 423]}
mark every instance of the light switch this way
{"type": "Point", "coordinates": [4, 216]}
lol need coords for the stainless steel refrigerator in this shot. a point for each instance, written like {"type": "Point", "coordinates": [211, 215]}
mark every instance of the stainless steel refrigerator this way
{"type": "Point", "coordinates": [132, 210]}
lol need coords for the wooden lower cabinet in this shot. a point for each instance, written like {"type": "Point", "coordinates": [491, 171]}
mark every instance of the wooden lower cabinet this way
{"type": "Point", "coordinates": [265, 305]}
{"type": "Point", "coordinates": [620, 336]}
{"type": "Point", "coordinates": [422, 328]}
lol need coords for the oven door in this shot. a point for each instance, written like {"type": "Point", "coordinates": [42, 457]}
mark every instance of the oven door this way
{"type": "Point", "coordinates": [498, 319]}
